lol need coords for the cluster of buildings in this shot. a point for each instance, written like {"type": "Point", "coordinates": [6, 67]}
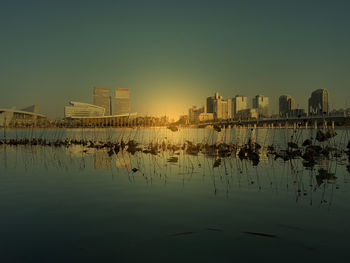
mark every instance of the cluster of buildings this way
{"type": "Point", "coordinates": [114, 110]}
{"type": "Point", "coordinates": [104, 105]}
{"type": "Point", "coordinates": [318, 105]}
{"type": "Point", "coordinates": [218, 108]}
{"type": "Point", "coordinates": [237, 108]}
{"type": "Point", "coordinates": [107, 110]}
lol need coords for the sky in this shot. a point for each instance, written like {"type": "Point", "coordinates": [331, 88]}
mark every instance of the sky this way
{"type": "Point", "coordinates": [172, 54]}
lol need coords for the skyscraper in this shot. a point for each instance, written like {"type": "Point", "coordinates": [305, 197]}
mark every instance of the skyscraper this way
{"type": "Point", "coordinates": [210, 102]}
{"type": "Point", "coordinates": [318, 102]}
{"type": "Point", "coordinates": [121, 101]}
{"type": "Point", "coordinates": [261, 103]}
{"type": "Point", "coordinates": [286, 105]}
{"type": "Point", "coordinates": [221, 108]}
{"type": "Point", "coordinates": [239, 103]}
{"type": "Point", "coordinates": [102, 98]}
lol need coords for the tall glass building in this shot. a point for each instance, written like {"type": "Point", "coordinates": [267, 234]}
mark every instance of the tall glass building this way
{"type": "Point", "coordinates": [121, 101]}
{"type": "Point", "coordinates": [285, 105]}
{"type": "Point", "coordinates": [318, 102]}
{"type": "Point", "coordinates": [102, 98]}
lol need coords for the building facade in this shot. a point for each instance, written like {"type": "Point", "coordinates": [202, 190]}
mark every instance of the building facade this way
{"type": "Point", "coordinates": [247, 114]}
{"type": "Point", "coordinates": [210, 103]}
{"type": "Point", "coordinates": [261, 103]}
{"type": "Point", "coordinates": [194, 113]}
{"type": "Point", "coordinates": [220, 107]}
{"type": "Point", "coordinates": [206, 116]}
{"type": "Point", "coordinates": [297, 113]}
{"type": "Point", "coordinates": [102, 98]}
{"type": "Point", "coordinates": [240, 102]}
{"type": "Point", "coordinates": [286, 105]}
{"type": "Point", "coordinates": [26, 117]}
{"type": "Point", "coordinates": [33, 108]}
{"type": "Point", "coordinates": [121, 101]}
{"type": "Point", "coordinates": [83, 110]}
{"type": "Point", "coordinates": [318, 103]}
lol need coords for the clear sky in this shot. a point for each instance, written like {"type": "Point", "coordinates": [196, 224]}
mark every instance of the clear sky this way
{"type": "Point", "coordinates": [172, 54]}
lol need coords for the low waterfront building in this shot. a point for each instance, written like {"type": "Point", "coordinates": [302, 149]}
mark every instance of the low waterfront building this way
{"type": "Point", "coordinates": [81, 110]}
{"type": "Point", "coordinates": [206, 116]}
{"type": "Point", "coordinates": [28, 116]}
{"type": "Point", "coordinates": [247, 114]}
{"type": "Point", "coordinates": [194, 112]}
{"type": "Point", "coordinates": [88, 115]}
{"type": "Point", "coordinates": [296, 113]}
{"type": "Point", "coordinates": [340, 112]}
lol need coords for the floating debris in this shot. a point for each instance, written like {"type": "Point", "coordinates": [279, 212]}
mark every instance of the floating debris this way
{"type": "Point", "coordinates": [260, 234]}
{"type": "Point", "coordinates": [307, 142]}
{"type": "Point", "coordinates": [173, 159]}
{"type": "Point", "coordinates": [217, 163]}
{"type": "Point", "coordinates": [311, 152]}
{"type": "Point", "coordinates": [173, 128]}
{"type": "Point", "coordinates": [293, 145]}
{"type": "Point", "coordinates": [217, 128]}
{"type": "Point", "coordinates": [324, 175]}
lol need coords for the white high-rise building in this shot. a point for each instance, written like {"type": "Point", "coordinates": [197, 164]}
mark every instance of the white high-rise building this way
{"type": "Point", "coordinates": [261, 103]}
{"type": "Point", "coordinates": [121, 101]}
{"type": "Point", "coordinates": [222, 109]}
{"type": "Point", "coordinates": [240, 102]}
{"type": "Point", "coordinates": [102, 98]}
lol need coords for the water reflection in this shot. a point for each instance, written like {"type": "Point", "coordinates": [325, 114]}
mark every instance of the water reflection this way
{"type": "Point", "coordinates": [223, 175]}
{"type": "Point", "coordinates": [122, 160]}
{"type": "Point", "coordinates": [278, 137]}
{"type": "Point", "coordinates": [174, 191]}
{"type": "Point", "coordinates": [102, 160]}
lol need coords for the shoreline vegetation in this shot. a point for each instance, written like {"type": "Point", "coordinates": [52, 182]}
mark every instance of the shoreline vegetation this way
{"type": "Point", "coordinates": [180, 127]}
{"type": "Point", "coordinates": [312, 149]}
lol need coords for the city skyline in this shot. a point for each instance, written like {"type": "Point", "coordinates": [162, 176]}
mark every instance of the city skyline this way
{"type": "Point", "coordinates": [174, 130]}
{"type": "Point", "coordinates": [217, 105]}
{"type": "Point", "coordinates": [172, 55]}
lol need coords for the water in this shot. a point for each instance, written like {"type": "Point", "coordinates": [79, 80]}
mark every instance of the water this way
{"type": "Point", "coordinates": [66, 205]}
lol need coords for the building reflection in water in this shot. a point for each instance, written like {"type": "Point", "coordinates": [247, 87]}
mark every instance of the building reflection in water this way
{"type": "Point", "coordinates": [122, 160]}
{"type": "Point", "coordinates": [318, 182]}
{"type": "Point", "coordinates": [102, 160]}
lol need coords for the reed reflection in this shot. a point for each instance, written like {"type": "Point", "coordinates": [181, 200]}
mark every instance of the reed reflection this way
{"type": "Point", "coordinates": [224, 174]}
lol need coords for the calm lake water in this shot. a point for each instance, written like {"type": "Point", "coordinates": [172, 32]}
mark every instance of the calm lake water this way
{"type": "Point", "coordinates": [83, 205]}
